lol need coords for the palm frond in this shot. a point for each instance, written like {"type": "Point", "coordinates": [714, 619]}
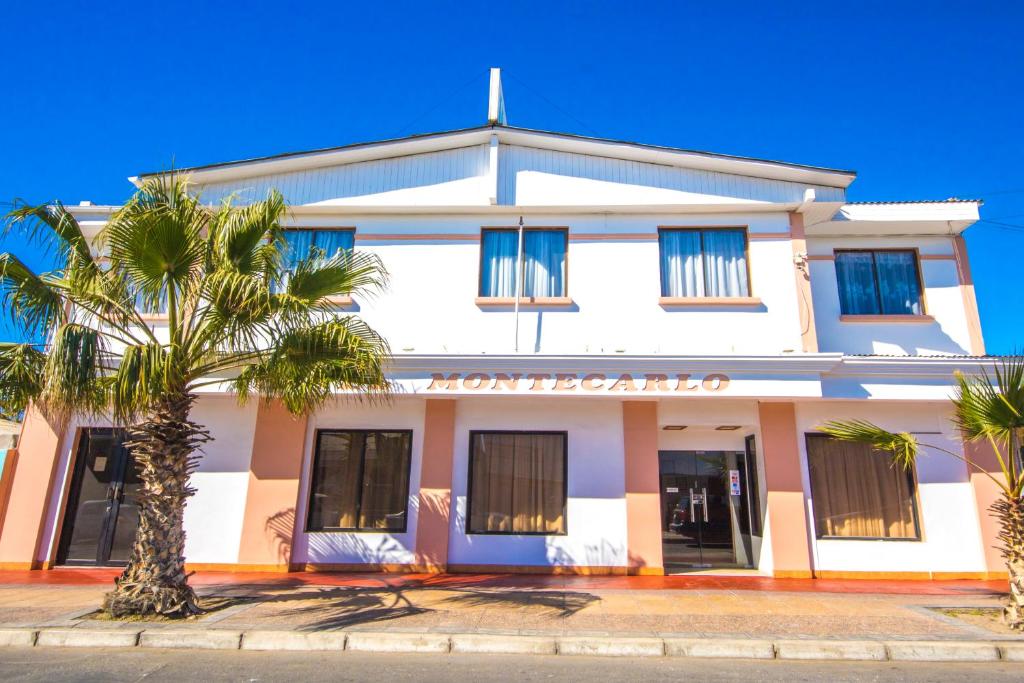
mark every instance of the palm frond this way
{"type": "Point", "coordinates": [52, 226]}
{"type": "Point", "coordinates": [902, 446]}
{"type": "Point", "coordinates": [31, 303]}
{"type": "Point", "coordinates": [21, 376]}
{"type": "Point", "coordinates": [73, 374]}
{"type": "Point", "coordinates": [141, 376]}
{"type": "Point", "coordinates": [247, 239]}
{"type": "Point", "coordinates": [316, 279]}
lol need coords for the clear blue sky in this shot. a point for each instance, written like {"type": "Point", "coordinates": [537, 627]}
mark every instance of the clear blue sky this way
{"type": "Point", "coordinates": [923, 100]}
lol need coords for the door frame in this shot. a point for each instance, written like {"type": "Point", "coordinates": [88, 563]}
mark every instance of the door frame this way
{"type": "Point", "coordinates": [114, 491]}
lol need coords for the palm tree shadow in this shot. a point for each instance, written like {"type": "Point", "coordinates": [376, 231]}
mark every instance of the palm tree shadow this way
{"type": "Point", "coordinates": [560, 604]}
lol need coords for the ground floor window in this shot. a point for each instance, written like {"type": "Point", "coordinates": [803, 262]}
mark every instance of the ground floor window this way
{"type": "Point", "coordinates": [517, 482]}
{"type": "Point", "coordinates": [360, 481]}
{"type": "Point", "coordinates": [858, 493]}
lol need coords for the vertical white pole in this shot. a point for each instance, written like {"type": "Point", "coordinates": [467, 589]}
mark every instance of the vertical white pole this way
{"type": "Point", "coordinates": [519, 280]}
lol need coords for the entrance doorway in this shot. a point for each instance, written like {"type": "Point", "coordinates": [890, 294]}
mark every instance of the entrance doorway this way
{"type": "Point", "coordinates": [102, 513]}
{"type": "Point", "coordinates": [707, 502]}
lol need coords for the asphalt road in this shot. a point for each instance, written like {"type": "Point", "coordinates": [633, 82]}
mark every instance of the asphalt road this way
{"type": "Point", "coordinates": [41, 664]}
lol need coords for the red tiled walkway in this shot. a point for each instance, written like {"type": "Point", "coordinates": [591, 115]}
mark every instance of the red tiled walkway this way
{"type": "Point", "coordinates": [89, 576]}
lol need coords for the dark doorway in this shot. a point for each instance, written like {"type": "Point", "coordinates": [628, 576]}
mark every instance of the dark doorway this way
{"type": "Point", "coordinates": [705, 509]}
{"type": "Point", "coordinates": [102, 513]}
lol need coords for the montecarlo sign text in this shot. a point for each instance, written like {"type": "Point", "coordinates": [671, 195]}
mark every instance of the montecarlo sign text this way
{"type": "Point", "coordinates": [577, 382]}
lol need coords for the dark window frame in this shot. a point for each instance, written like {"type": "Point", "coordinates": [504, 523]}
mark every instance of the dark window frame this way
{"type": "Point", "coordinates": [915, 506]}
{"type": "Point", "coordinates": [313, 481]}
{"type": "Point", "coordinates": [878, 285]}
{"type": "Point", "coordinates": [703, 229]}
{"type": "Point", "coordinates": [565, 482]}
{"type": "Point", "coordinates": [522, 260]}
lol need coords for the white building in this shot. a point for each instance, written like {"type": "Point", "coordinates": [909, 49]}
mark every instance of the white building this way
{"type": "Point", "coordinates": [687, 321]}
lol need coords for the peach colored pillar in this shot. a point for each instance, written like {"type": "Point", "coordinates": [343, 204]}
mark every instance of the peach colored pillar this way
{"type": "Point", "coordinates": [787, 513]}
{"type": "Point", "coordinates": [643, 501]}
{"type": "Point", "coordinates": [963, 270]}
{"type": "Point", "coordinates": [270, 505]}
{"type": "Point", "coordinates": [30, 490]}
{"type": "Point", "coordinates": [798, 239]}
{"type": "Point", "coordinates": [986, 492]}
{"type": "Point", "coordinates": [435, 496]}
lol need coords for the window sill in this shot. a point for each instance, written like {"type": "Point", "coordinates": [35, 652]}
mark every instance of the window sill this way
{"type": "Point", "coordinates": [534, 301]}
{"type": "Point", "coordinates": [911, 318]}
{"type": "Point", "coordinates": [340, 301]}
{"type": "Point", "coordinates": [154, 317]}
{"type": "Point", "coordinates": [697, 301]}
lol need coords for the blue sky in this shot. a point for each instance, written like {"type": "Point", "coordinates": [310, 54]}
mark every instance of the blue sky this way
{"type": "Point", "coordinates": [924, 101]}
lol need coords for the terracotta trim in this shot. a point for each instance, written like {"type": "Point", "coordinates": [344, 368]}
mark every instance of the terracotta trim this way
{"type": "Point", "coordinates": [387, 568]}
{"type": "Point", "coordinates": [802, 272]}
{"type": "Point", "coordinates": [18, 566]}
{"type": "Point", "coordinates": [886, 319]}
{"type": "Point", "coordinates": [551, 301]}
{"type": "Point", "coordinates": [643, 497]}
{"type": "Point", "coordinates": [555, 570]}
{"type": "Point", "coordinates": [613, 237]}
{"type": "Point", "coordinates": [769, 235]}
{"type": "Point", "coordinates": [435, 490]}
{"type": "Point", "coordinates": [963, 269]}
{"type": "Point", "coordinates": [937, 257]}
{"type": "Point", "coordinates": [821, 257]}
{"type": "Point", "coordinates": [697, 301]}
{"type": "Point", "coordinates": [786, 509]}
{"type": "Point", "coordinates": [902, 576]}
{"type": "Point", "coordinates": [986, 492]}
{"type": "Point", "coordinates": [792, 574]}
{"type": "Point", "coordinates": [236, 567]}
{"type": "Point", "coordinates": [416, 237]}
{"type": "Point", "coordinates": [268, 524]}
{"type": "Point", "coordinates": [6, 482]}
{"type": "Point", "coordinates": [32, 490]}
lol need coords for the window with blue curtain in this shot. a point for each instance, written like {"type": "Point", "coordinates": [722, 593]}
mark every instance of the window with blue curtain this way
{"type": "Point", "coordinates": [300, 241]}
{"type": "Point", "coordinates": [703, 263]}
{"type": "Point", "coordinates": [543, 265]}
{"type": "Point", "coordinates": [878, 282]}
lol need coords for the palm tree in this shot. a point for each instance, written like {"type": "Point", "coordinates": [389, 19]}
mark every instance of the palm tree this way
{"type": "Point", "coordinates": [236, 319]}
{"type": "Point", "coordinates": [983, 411]}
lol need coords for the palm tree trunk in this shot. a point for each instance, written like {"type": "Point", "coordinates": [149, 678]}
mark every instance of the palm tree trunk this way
{"type": "Point", "coordinates": [163, 447]}
{"type": "Point", "coordinates": [1010, 512]}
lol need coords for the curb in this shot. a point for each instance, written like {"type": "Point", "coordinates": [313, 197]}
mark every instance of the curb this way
{"type": "Point", "coordinates": [478, 643]}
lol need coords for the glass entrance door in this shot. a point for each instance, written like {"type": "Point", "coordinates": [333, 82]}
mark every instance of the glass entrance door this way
{"type": "Point", "coordinates": [102, 513]}
{"type": "Point", "coordinates": [705, 509]}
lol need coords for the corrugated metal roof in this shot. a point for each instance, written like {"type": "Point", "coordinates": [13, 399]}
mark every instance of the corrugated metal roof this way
{"type": "Point", "coordinates": [951, 200]}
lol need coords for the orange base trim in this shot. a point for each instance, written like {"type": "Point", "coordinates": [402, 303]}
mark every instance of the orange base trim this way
{"type": "Point", "coordinates": [645, 571]}
{"type": "Point", "coordinates": [548, 570]}
{"type": "Point", "coordinates": [792, 574]}
{"type": "Point", "coordinates": [19, 566]}
{"type": "Point", "coordinates": [910, 576]}
{"type": "Point", "coordinates": [234, 567]}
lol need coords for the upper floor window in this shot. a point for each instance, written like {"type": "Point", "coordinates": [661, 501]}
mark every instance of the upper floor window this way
{"type": "Point", "coordinates": [878, 282]}
{"type": "Point", "coordinates": [543, 262]}
{"type": "Point", "coordinates": [300, 240]}
{"type": "Point", "coordinates": [703, 263]}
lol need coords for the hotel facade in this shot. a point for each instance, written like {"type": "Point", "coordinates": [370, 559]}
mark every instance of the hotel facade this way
{"type": "Point", "coordinates": [649, 403]}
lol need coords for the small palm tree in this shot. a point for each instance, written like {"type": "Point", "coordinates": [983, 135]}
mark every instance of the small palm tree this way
{"type": "Point", "coordinates": [983, 411]}
{"type": "Point", "coordinates": [236, 318]}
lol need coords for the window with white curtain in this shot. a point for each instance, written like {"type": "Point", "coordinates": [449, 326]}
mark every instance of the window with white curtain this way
{"type": "Point", "coordinates": [878, 282]}
{"type": "Point", "coordinates": [703, 263]}
{"type": "Point", "coordinates": [543, 262]}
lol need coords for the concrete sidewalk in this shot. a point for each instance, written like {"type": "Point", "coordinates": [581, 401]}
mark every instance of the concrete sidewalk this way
{"type": "Point", "coordinates": [713, 616]}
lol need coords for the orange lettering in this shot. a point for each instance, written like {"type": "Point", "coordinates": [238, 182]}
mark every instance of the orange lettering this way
{"type": "Point", "coordinates": [625, 382]}
{"type": "Point", "coordinates": [715, 382]}
{"type": "Point", "coordinates": [565, 382]}
{"type": "Point", "coordinates": [503, 381]}
{"type": "Point", "coordinates": [591, 382]}
{"type": "Point", "coordinates": [683, 383]}
{"type": "Point", "coordinates": [475, 381]}
{"type": "Point", "coordinates": [656, 383]}
{"type": "Point", "coordinates": [439, 382]}
{"type": "Point", "coordinates": [538, 382]}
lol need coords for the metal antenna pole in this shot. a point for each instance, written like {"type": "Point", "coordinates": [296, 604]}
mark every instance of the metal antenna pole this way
{"type": "Point", "coordinates": [519, 281]}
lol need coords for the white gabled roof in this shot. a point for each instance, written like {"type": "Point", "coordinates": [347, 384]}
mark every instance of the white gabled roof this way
{"type": "Point", "coordinates": [432, 142]}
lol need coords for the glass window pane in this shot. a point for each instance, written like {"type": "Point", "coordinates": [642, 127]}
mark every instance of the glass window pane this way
{"type": "Point", "coordinates": [897, 282]}
{"type": "Point", "coordinates": [297, 245]}
{"type": "Point", "coordinates": [682, 266]}
{"type": "Point", "coordinates": [333, 498]}
{"type": "Point", "coordinates": [385, 481]}
{"type": "Point", "coordinates": [725, 263]}
{"type": "Point", "coordinates": [498, 262]}
{"type": "Point", "coordinates": [518, 483]}
{"type": "Point", "coordinates": [544, 265]}
{"type": "Point", "coordinates": [858, 493]}
{"type": "Point", "coordinates": [99, 449]}
{"type": "Point", "coordinates": [855, 274]}
{"type": "Point", "coordinates": [333, 241]}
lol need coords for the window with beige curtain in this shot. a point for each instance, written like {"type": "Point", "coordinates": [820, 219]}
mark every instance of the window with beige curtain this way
{"type": "Point", "coordinates": [517, 483]}
{"type": "Point", "coordinates": [858, 493]}
{"type": "Point", "coordinates": [360, 481]}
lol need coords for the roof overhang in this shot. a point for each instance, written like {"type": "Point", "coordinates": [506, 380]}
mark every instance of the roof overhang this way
{"type": "Point", "coordinates": [949, 217]}
{"type": "Point", "coordinates": [433, 142]}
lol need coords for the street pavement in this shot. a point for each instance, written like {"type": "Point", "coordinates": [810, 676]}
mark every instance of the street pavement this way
{"type": "Point", "coordinates": [115, 665]}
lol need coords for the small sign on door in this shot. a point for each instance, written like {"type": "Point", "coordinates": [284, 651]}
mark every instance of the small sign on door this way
{"type": "Point", "coordinates": [672, 489]}
{"type": "Point", "coordinates": [734, 482]}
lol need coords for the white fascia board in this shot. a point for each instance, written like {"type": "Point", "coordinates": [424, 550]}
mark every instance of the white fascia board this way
{"type": "Point", "coordinates": [506, 209]}
{"type": "Point", "coordinates": [923, 218]}
{"type": "Point", "coordinates": [777, 364]}
{"type": "Point", "coordinates": [913, 366]}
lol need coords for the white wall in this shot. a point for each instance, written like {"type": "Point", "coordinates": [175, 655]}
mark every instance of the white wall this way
{"type": "Point", "coordinates": [943, 300]}
{"type": "Point", "coordinates": [596, 509]}
{"type": "Point", "coordinates": [614, 285]}
{"type": "Point", "coordinates": [362, 547]}
{"type": "Point", "coordinates": [951, 541]}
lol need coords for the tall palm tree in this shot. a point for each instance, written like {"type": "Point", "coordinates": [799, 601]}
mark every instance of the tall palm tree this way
{"type": "Point", "coordinates": [236, 318]}
{"type": "Point", "coordinates": [985, 411]}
